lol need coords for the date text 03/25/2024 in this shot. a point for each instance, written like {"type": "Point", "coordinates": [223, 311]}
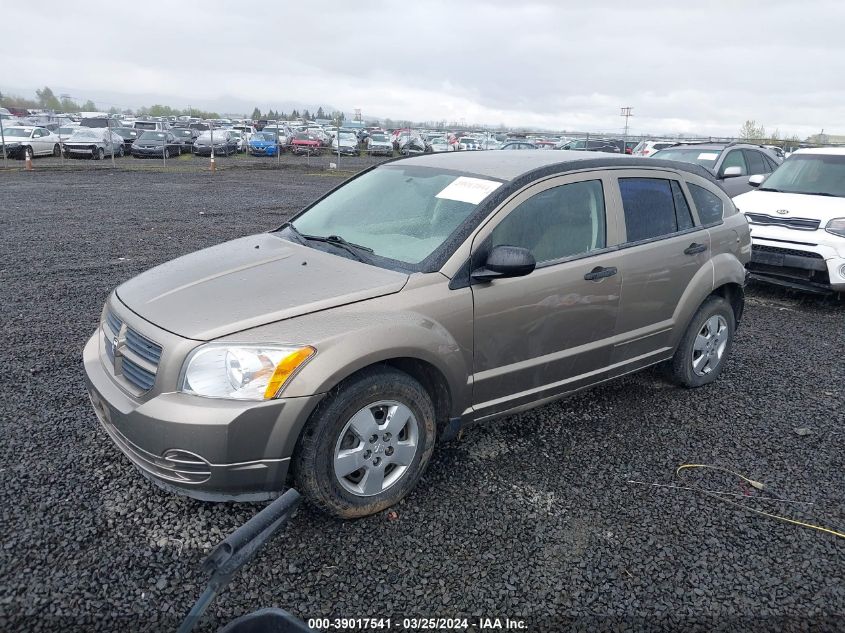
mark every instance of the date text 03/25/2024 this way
{"type": "Point", "coordinates": [418, 624]}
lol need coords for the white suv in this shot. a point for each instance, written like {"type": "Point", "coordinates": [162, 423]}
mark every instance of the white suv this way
{"type": "Point", "coordinates": [797, 218]}
{"type": "Point", "coordinates": [647, 148]}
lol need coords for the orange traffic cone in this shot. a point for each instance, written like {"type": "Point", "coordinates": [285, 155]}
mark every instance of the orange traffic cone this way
{"type": "Point", "coordinates": [28, 156]}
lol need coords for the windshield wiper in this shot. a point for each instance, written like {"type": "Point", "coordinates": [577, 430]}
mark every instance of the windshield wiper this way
{"type": "Point", "coordinates": [334, 240]}
{"type": "Point", "coordinates": [769, 189]}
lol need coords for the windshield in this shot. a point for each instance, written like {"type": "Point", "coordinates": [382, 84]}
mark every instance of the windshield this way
{"type": "Point", "coordinates": [263, 136]}
{"type": "Point", "coordinates": [809, 173]}
{"type": "Point", "coordinates": [378, 137]}
{"type": "Point", "coordinates": [438, 141]}
{"type": "Point", "coordinates": [401, 213]}
{"type": "Point", "coordinates": [184, 133]}
{"type": "Point", "coordinates": [151, 136]}
{"type": "Point", "coordinates": [16, 132]}
{"type": "Point", "coordinates": [695, 155]}
{"type": "Point", "coordinates": [148, 125]}
{"type": "Point", "coordinates": [86, 133]}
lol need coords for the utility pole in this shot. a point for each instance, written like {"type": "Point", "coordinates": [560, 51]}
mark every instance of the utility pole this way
{"type": "Point", "coordinates": [626, 112]}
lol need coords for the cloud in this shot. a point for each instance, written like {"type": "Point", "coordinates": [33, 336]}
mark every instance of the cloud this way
{"type": "Point", "coordinates": [684, 67]}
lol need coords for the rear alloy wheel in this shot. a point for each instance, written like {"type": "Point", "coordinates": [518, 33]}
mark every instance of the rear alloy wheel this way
{"type": "Point", "coordinates": [706, 344]}
{"type": "Point", "coordinates": [366, 445]}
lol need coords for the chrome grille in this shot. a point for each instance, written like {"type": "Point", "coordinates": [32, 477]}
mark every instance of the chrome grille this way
{"type": "Point", "coordinates": [138, 357]}
{"type": "Point", "coordinates": [137, 375]}
{"type": "Point", "coordinates": [143, 346]}
{"type": "Point", "coordinates": [113, 322]}
{"type": "Point", "coordinates": [801, 224]}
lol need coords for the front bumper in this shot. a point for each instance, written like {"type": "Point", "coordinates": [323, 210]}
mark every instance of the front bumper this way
{"type": "Point", "coordinates": [79, 150]}
{"type": "Point", "coordinates": [157, 152]}
{"type": "Point", "coordinates": [206, 151]}
{"type": "Point", "coordinates": [262, 151]}
{"type": "Point", "coordinates": [800, 264]}
{"type": "Point", "coordinates": [208, 449]}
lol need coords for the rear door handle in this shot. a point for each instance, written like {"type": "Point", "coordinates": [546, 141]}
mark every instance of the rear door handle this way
{"type": "Point", "coordinates": [600, 273]}
{"type": "Point", "coordinates": [694, 249]}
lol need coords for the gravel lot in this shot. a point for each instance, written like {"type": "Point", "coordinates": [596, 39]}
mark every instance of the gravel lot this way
{"type": "Point", "coordinates": [531, 517]}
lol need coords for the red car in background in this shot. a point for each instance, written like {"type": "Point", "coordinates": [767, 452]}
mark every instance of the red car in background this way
{"type": "Point", "coordinates": [304, 143]}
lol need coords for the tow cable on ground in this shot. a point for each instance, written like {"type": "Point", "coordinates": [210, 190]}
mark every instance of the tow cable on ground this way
{"type": "Point", "coordinates": [723, 496]}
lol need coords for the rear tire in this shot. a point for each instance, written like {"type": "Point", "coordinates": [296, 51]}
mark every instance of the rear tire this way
{"type": "Point", "coordinates": [706, 345]}
{"type": "Point", "coordinates": [392, 463]}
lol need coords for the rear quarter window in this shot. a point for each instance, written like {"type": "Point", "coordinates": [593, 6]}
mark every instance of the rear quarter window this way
{"type": "Point", "coordinates": [710, 207]}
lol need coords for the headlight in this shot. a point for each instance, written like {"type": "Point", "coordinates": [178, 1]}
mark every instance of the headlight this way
{"type": "Point", "coordinates": [836, 226]}
{"type": "Point", "coordinates": [242, 372]}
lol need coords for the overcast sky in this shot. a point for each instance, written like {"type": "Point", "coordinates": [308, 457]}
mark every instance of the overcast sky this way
{"type": "Point", "coordinates": [703, 66]}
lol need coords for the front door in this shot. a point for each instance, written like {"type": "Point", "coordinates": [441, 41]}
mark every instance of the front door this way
{"type": "Point", "coordinates": [548, 332]}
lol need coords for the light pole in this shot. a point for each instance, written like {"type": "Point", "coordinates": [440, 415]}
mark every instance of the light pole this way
{"type": "Point", "coordinates": [626, 112]}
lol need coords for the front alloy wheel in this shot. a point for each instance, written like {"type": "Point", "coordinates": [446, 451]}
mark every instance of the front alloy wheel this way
{"type": "Point", "coordinates": [367, 444]}
{"type": "Point", "coordinates": [376, 447]}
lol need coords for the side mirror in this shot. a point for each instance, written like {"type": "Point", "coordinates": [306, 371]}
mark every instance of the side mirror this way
{"type": "Point", "coordinates": [732, 172]}
{"type": "Point", "coordinates": [756, 180]}
{"type": "Point", "coordinates": [506, 261]}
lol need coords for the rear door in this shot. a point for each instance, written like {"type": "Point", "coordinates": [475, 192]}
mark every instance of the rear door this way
{"type": "Point", "coordinates": [551, 331]}
{"type": "Point", "coordinates": [665, 250]}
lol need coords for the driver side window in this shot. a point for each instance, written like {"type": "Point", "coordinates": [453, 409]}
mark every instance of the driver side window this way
{"type": "Point", "coordinates": [556, 223]}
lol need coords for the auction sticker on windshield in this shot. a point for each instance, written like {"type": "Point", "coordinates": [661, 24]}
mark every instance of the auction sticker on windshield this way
{"type": "Point", "coordinates": [707, 156]}
{"type": "Point", "coordinates": [466, 189]}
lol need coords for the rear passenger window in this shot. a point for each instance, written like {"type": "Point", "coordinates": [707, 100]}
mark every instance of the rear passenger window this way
{"type": "Point", "coordinates": [709, 205]}
{"type": "Point", "coordinates": [649, 205]}
{"type": "Point", "coordinates": [755, 163]}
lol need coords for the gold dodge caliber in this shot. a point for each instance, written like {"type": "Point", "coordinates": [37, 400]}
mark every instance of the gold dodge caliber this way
{"type": "Point", "coordinates": [422, 295]}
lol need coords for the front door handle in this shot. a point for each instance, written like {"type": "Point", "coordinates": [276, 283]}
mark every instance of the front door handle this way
{"type": "Point", "coordinates": [694, 249]}
{"type": "Point", "coordinates": [600, 272]}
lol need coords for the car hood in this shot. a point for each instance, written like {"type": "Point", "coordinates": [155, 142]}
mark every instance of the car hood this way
{"type": "Point", "coordinates": [153, 141]}
{"type": "Point", "coordinates": [249, 282]}
{"type": "Point", "coordinates": [796, 205]}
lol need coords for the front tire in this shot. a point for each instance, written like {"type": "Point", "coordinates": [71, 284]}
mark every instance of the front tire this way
{"type": "Point", "coordinates": [366, 445]}
{"type": "Point", "coordinates": [166, 153]}
{"type": "Point", "coordinates": [705, 346]}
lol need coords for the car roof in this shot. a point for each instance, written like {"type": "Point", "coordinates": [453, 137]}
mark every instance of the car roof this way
{"type": "Point", "coordinates": [830, 151]}
{"type": "Point", "coordinates": [511, 165]}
